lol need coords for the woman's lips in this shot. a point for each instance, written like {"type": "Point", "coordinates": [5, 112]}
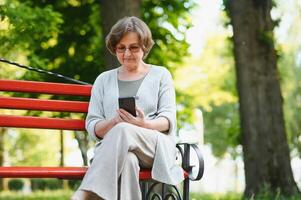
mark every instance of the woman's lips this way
{"type": "Point", "coordinates": [128, 59]}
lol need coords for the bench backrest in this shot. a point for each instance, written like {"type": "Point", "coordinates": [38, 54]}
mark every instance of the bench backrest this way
{"type": "Point", "coordinates": [43, 104]}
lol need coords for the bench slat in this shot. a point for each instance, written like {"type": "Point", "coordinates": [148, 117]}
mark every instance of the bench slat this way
{"type": "Point", "coordinates": [45, 87]}
{"type": "Point", "coordinates": [43, 172]}
{"type": "Point", "coordinates": [41, 122]}
{"type": "Point", "coordinates": [43, 104]}
{"type": "Point", "coordinates": [54, 172]}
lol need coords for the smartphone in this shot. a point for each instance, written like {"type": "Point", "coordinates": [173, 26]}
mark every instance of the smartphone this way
{"type": "Point", "coordinates": [128, 104]}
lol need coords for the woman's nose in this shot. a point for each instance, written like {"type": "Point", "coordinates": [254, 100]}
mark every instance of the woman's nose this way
{"type": "Point", "coordinates": [127, 52]}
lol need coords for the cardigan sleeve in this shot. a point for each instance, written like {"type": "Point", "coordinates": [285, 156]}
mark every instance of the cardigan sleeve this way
{"type": "Point", "coordinates": [167, 101]}
{"type": "Point", "coordinates": [95, 111]}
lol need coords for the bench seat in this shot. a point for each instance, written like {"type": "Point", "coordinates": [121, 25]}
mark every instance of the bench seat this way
{"type": "Point", "coordinates": [56, 172]}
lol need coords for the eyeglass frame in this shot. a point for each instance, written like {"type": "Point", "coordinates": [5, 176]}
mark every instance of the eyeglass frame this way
{"type": "Point", "coordinates": [130, 48]}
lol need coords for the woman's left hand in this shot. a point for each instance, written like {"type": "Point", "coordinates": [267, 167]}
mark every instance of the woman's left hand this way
{"type": "Point", "coordinates": [127, 117]}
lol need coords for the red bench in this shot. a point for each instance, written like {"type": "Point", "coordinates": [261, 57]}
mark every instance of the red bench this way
{"type": "Point", "coordinates": [69, 124]}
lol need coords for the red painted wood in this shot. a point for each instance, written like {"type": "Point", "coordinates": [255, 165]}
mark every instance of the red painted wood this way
{"type": "Point", "coordinates": [43, 104]}
{"type": "Point", "coordinates": [43, 172]}
{"type": "Point", "coordinates": [45, 87]}
{"type": "Point", "coordinates": [54, 172]}
{"type": "Point", "coordinates": [39, 122]}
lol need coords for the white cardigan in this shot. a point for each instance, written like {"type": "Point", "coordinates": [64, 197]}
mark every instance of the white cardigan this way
{"type": "Point", "coordinates": [156, 97]}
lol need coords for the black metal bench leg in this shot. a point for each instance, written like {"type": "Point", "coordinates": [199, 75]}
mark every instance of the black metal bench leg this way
{"type": "Point", "coordinates": [144, 189]}
{"type": "Point", "coordinates": [186, 189]}
{"type": "Point", "coordinates": [186, 167]}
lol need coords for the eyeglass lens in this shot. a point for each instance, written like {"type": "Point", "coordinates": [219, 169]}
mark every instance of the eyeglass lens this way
{"type": "Point", "coordinates": [132, 48]}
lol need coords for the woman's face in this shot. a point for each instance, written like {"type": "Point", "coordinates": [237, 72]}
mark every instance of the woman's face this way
{"type": "Point", "coordinates": [129, 51]}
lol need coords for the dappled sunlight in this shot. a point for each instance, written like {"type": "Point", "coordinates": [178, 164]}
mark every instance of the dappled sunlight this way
{"type": "Point", "coordinates": [204, 78]}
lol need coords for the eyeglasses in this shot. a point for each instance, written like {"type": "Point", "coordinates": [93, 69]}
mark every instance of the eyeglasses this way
{"type": "Point", "coordinates": [132, 48]}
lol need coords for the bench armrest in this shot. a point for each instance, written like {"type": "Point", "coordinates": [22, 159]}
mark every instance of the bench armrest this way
{"type": "Point", "coordinates": [184, 149]}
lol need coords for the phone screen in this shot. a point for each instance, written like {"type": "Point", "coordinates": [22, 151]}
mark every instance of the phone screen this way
{"type": "Point", "coordinates": [128, 104]}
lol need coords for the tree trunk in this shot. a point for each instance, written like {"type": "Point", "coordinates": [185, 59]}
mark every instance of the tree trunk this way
{"type": "Point", "coordinates": [265, 147]}
{"type": "Point", "coordinates": [62, 158]}
{"type": "Point", "coordinates": [111, 12]}
{"type": "Point", "coordinates": [62, 152]}
{"type": "Point", "coordinates": [82, 140]}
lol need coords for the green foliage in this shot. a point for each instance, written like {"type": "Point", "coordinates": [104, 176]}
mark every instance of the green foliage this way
{"type": "Point", "coordinates": [208, 83]}
{"type": "Point", "coordinates": [185, 114]}
{"type": "Point", "coordinates": [229, 196]}
{"type": "Point", "coordinates": [72, 43]}
{"type": "Point", "coordinates": [222, 129]}
{"type": "Point", "coordinates": [45, 184]}
{"type": "Point", "coordinates": [265, 193]}
{"type": "Point", "coordinates": [75, 51]}
{"type": "Point", "coordinates": [15, 184]}
{"type": "Point", "coordinates": [168, 21]}
{"type": "Point", "coordinates": [291, 86]}
{"type": "Point", "coordinates": [266, 38]}
{"type": "Point", "coordinates": [32, 148]}
{"type": "Point", "coordinates": [39, 195]}
{"type": "Point", "coordinates": [226, 9]}
{"type": "Point", "coordinates": [74, 184]}
{"type": "Point", "coordinates": [290, 72]}
{"type": "Point", "coordinates": [24, 26]}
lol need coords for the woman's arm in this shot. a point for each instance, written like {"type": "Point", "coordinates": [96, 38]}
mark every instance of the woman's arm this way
{"type": "Point", "coordinates": [167, 101]}
{"type": "Point", "coordinates": [102, 127]}
{"type": "Point", "coordinates": [96, 123]}
{"type": "Point", "coordinates": [160, 124]}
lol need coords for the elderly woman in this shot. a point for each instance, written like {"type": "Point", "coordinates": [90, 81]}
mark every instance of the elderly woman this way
{"type": "Point", "coordinates": [126, 142]}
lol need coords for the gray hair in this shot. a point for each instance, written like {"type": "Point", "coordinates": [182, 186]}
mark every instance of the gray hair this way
{"type": "Point", "coordinates": [126, 25]}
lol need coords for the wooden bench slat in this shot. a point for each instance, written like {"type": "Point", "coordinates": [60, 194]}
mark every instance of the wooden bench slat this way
{"type": "Point", "coordinates": [54, 172]}
{"type": "Point", "coordinates": [43, 104]}
{"type": "Point", "coordinates": [43, 172]}
{"type": "Point", "coordinates": [45, 87]}
{"type": "Point", "coordinates": [41, 122]}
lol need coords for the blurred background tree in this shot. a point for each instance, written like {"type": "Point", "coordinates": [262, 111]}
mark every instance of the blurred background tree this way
{"type": "Point", "coordinates": [264, 140]}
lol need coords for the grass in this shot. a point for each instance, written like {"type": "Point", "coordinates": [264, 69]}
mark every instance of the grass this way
{"type": "Point", "coordinates": [230, 196]}
{"type": "Point", "coordinates": [40, 195]}
{"type": "Point", "coordinates": [238, 196]}
{"type": "Point", "coordinates": [66, 194]}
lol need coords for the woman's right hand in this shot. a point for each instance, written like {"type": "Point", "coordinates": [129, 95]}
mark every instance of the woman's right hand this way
{"type": "Point", "coordinates": [102, 127]}
{"type": "Point", "coordinates": [117, 119]}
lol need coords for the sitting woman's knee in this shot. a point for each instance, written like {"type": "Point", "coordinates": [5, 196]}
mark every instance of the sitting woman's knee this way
{"type": "Point", "coordinates": [132, 159]}
{"type": "Point", "coordinates": [119, 130]}
{"type": "Point", "coordinates": [122, 127]}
